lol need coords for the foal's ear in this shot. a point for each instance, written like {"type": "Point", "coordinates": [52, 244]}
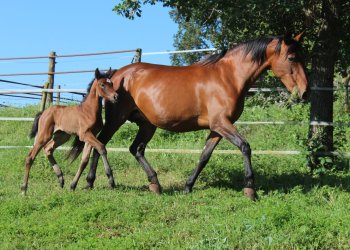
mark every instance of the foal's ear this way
{"type": "Point", "coordinates": [97, 73]}
{"type": "Point", "coordinates": [299, 37]}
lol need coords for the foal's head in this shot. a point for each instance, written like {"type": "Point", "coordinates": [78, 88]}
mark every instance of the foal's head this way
{"type": "Point", "coordinates": [104, 86]}
{"type": "Point", "coordinates": [286, 63]}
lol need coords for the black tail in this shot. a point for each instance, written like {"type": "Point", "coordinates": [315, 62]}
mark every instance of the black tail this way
{"type": "Point", "coordinates": [77, 148]}
{"type": "Point", "coordinates": [35, 126]}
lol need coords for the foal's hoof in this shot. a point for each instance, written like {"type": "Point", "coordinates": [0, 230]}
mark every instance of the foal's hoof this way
{"type": "Point", "coordinates": [24, 191]}
{"type": "Point", "coordinates": [61, 182]}
{"type": "Point", "coordinates": [112, 185]}
{"type": "Point", "coordinates": [250, 193]}
{"type": "Point", "coordinates": [73, 187]}
{"type": "Point", "coordinates": [155, 188]}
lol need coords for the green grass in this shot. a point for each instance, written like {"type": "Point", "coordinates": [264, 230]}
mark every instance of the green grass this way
{"type": "Point", "coordinates": [295, 210]}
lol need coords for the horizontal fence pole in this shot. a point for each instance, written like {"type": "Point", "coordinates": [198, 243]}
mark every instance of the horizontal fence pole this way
{"type": "Point", "coordinates": [19, 83]}
{"type": "Point", "coordinates": [18, 91]}
{"type": "Point", "coordinates": [177, 51]}
{"type": "Point", "coordinates": [51, 73]}
{"type": "Point", "coordinates": [69, 55]}
{"type": "Point", "coordinates": [199, 151]}
{"type": "Point", "coordinates": [26, 91]}
{"type": "Point", "coordinates": [318, 123]}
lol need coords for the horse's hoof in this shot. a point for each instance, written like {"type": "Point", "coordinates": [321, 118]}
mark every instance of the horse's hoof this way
{"type": "Point", "coordinates": [188, 190]}
{"type": "Point", "coordinates": [250, 193]}
{"type": "Point", "coordinates": [73, 187]}
{"type": "Point", "coordinates": [155, 188]}
{"type": "Point", "coordinates": [88, 187]}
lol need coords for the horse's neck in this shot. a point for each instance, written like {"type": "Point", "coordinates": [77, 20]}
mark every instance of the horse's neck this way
{"type": "Point", "coordinates": [249, 70]}
{"type": "Point", "coordinates": [93, 102]}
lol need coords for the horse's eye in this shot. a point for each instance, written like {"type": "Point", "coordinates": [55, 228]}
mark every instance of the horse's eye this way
{"type": "Point", "coordinates": [291, 58]}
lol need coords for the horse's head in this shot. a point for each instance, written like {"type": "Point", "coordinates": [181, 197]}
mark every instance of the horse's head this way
{"type": "Point", "coordinates": [104, 86]}
{"type": "Point", "coordinates": [287, 64]}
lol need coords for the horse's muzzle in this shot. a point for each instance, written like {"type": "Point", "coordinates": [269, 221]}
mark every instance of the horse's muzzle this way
{"type": "Point", "coordinates": [304, 95]}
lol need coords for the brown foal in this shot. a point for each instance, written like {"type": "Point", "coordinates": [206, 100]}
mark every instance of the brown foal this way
{"type": "Point", "coordinates": [206, 95]}
{"type": "Point", "coordinates": [55, 125]}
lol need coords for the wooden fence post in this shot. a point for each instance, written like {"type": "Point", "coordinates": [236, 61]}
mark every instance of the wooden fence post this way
{"type": "Point", "coordinates": [43, 97]}
{"type": "Point", "coordinates": [137, 57]}
{"type": "Point", "coordinates": [58, 95]}
{"type": "Point", "coordinates": [51, 76]}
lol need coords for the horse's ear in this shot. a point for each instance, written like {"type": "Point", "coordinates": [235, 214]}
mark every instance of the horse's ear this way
{"type": "Point", "coordinates": [299, 36]}
{"type": "Point", "coordinates": [287, 36]}
{"type": "Point", "coordinates": [97, 73]}
{"type": "Point", "coordinates": [109, 72]}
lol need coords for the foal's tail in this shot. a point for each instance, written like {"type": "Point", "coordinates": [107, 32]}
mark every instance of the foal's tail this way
{"type": "Point", "coordinates": [35, 126]}
{"type": "Point", "coordinates": [77, 148]}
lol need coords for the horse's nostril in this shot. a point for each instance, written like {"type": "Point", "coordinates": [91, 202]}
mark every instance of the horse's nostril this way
{"type": "Point", "coordinates": [305, 95]}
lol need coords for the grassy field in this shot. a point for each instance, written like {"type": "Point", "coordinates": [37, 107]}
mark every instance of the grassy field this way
{"type": "Point", "coordinates": [295, 210]}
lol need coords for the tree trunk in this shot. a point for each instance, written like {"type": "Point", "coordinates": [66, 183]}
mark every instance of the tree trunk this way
{"type": "Point", "coordinates": [324, 56]}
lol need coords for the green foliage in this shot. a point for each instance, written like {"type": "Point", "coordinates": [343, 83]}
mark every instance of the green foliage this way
{"type": "Point", "coordinates": [221, 23]}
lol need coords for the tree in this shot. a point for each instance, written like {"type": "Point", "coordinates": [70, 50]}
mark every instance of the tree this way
{"type": "Point", "coordinates": [221, 22]}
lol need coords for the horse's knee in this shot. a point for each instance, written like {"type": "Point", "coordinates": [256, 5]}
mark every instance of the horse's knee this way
{"type": "Point", "coordinates": [138, 151]}
{"type": "Point", "coordinates": [245, 148]}
{"type": "Point", "coordinates": [102, 150]}
{"type": "Point", "coordinates": [29, 161]}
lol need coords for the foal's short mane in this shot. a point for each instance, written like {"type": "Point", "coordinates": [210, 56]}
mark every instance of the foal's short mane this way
{"type": "Point", "coordinates": [255, 47]}
{"type": "Point", "coordinates": [103, 75]}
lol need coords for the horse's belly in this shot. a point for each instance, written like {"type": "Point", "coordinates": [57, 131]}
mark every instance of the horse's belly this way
{"type": "Point", "coordinates": [181, 125]}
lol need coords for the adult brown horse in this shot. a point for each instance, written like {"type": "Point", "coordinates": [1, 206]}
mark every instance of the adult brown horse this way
{"type": "Point", "coordinates": [206, 95]}
{"type": "Point", "coordinates": [55, 125]}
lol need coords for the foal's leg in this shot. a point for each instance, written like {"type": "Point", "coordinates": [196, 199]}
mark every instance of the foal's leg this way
{"type": "Point", "coordinates": [84, 161]}
{"type": "Point", "coordinates": [212, 140]}
{"type": "Point", "coordinates": [114, 119]}
{"type": "Point", "coordinates": [88, 137]}
{"type": "Point", "coordinates": [40, 141]}
{"type": "Point", "coordinates": [229, 132]}
{"type": "Point", "coordinates": [137, 149]}
{"type": "Point", "coordinates": [58, 139]}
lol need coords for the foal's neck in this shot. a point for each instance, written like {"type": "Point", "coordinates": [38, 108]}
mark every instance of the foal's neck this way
{"type": "Point", "coordinates": [93, 102]}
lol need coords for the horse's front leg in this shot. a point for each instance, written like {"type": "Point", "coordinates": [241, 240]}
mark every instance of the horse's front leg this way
{"type": "Point", "coordinates": [89, 137]}
{"type": "Point", "coordinates": [137, 149]}
{"type": "Point", "coordinates": [212, 140]}
{"type": "Point", "coordinates": [229, 132]}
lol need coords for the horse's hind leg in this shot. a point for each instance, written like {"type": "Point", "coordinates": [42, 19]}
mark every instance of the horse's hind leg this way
{"type": "Point", "coordinates": [83, 163]}
{"type": "Point", "coordinates": [58, 139]}
{"type": "Point", "coordinates": [137, 149]}
{"type": "Point", "coordinates": [212, 140]}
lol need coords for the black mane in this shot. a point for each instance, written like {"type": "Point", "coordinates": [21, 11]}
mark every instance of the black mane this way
{"type": "Point", "coordinates": [255, 47]}
{"type": "Point", "coordinates": [213, 58]}
{"type": "Point", "coordinates": [103, 75]}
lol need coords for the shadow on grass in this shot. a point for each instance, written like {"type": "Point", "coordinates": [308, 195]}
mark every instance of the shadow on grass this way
{"type": "Point", "coordinates": [281, 182]}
